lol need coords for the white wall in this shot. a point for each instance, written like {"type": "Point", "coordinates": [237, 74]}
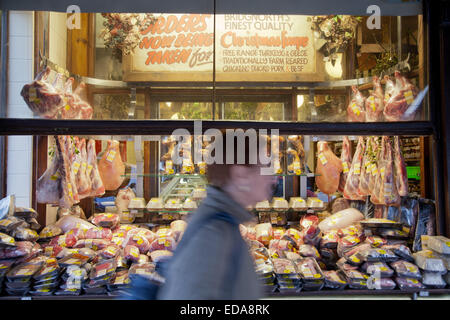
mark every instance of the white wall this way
{"type": "Point", "coordinates": [20, 62]}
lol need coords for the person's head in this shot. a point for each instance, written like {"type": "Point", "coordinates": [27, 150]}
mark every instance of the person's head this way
{"type": "Point", "coordinates": [243, 182]}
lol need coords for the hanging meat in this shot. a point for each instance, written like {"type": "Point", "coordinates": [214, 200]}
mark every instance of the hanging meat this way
{"type": "Point", "coordinates": [373, 169]}
{"type": "Point", "coordinates": [329, 168]}
{"type": "Point", "coordinates": [389, 88]}
{"type": "Point", "coordinates": [375, 102]}
{"type": "Point", "coordinates": [85, 109]}
{"type": "Point", "coordinates": [111, 167]}
{"type": "Point", "coordinates": [352, 183]}
{"type": "Point", "coordinates": [71, 153]}
{"type": "Point", "coordinates": [356, 109]}
{"type": "Point", "coordinates": [83, 181]}
{"type": "Point", "coordinates": [70, 109]}
{"type": "Point", "coordinates": [388, 187]}
{"type": "Point", "coordinates": [401, 176]}
{"type": "Point", "coordinates": [123, 199]}
{"type": "Point", "coordinates": [363, 188]}
{"type": "Point", "coordinates": [55, 185]}
{"type": "Point", "coordinates": [346, 159]}
{"type": "Point", "coordinates": [375, 191]}
{"type": "Point", "coordinates": [41, 97]}
{"type": "Point", "coordinates": [402, 97]}
{"type": "Point", "coordinates": [97, 187]}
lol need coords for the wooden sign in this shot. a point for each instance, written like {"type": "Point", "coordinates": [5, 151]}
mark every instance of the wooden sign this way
{"type": "Point", "coordinates": [248, 48]}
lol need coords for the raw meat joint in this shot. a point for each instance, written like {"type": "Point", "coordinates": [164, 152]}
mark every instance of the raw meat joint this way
{"type": "Point", "coordinates": [352, 183]}
{"type": "Point", "coordinates": [356, 109]}
{"type": "Point", "coordinates": [329, 168]}
{"type": "Point", "coordinates": [111, 167]}
{"type": "Point", "coordinates": [401, 96]}
{"type": "Point", "coordinates": [56, 100]}
{"type": "Point", "coordinates": [375, 102]}
{"type": "Point", "coordinates": [346, 159]}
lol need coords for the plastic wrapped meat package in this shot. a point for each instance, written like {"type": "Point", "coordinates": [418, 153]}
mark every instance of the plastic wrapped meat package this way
{"type": "Point", "coordinates": [279, 204]}
{"type": "Point", "coordinates": [9, 224]}
{"type": "Point", "coordinates": [25, 234]}
{"type": "Point", "coordinates": [155, 204]}
{"type": "Point", "coordinates": [278, 233]}
{"type": "Point", "coordinates": [23, 271]}
{"type": "Point", "coordinates": [50, 231]}
{"type": "Point", "coordinates": [334, 280]}
{"type": "Point", "coordinates": [131, 253]}
{"type": "Point", "coordinates": [406, 269]}
{"type": "Point", "coordinates": [346, 243]}
{"type": "Point", "coordinates": [376, 241]}
{"type": "Point", "coordinates": [22, 248]}
{"type": "Point", "coordinates": [119, 281]}
{"type": "Point", "coordinates": [297, 204]}
{"type": "Point", "coordinates": [306, 250]}
{"type": "Point", "coordinates": [74, 259]}
{"type": "Point", "coordinates": [65, 240]}
{"type": "Point", "coordinates": [341, 219]}
{"type": "Point", "coordinates": [103, 268]}
{"type": "Point", "coordinates": [106, 220]}
{"type": "Point", "coordinates": [329, 240]}
{"type": "Point", "coordinates": [6, 240]}
{"type": "Point", "coordinates": [355, 279]}
{"type": "Point", "coordinates": [378, 269]}
{"type": "Point", "coordinates": [95, 244]}
{"type": "Point", "coordinates": [146, 270]}
{"type": "Point", "coordinates": [111, 251]}
{"type": "Point", "coordinates": [376, 254]}
{"type": "Point", "coordinates": [408, 283]}
{"type": "Point", "coordinates": [400, 250]}
{"type": "Point", "coordinates": [427, 261]}
{"type": "Point", "coordinates": [439, 244]}
{"type": "Point", "coordinates": [310, 273]}
{"type": "Point", "coordinates": [433, 280]}
{"type": "Point", "coordinates": [380, 223]}
{"type": "Point", "coordinates": [264, 233]}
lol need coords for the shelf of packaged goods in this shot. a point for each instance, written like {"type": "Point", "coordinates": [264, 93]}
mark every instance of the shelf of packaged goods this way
{"type": "Point", "coordinates": [267, 294]}
{"type": "Point", "coordinates": [193, 175]}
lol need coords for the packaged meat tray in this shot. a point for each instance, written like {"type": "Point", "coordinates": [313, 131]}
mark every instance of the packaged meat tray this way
{"type": "Point", "coordinates": [355, 279]}
{"type": "Point", "coordinates": [427, 261]}
{"type": "Point", "coordinates": [376, 241]}
{"type": "Point", "coordinates": [293, 233]}
{"type": "Point", "coordinates": [17, 292]}
{"type": "Point", "coordinates": [106, 220]}
{"type": "Point", "coordinates": [17, 285]}
{"type": "Point", "coordinates": [279, 204]}
{"type": "Point", "coordinates": [23, 271]}
{"type": "Point", "coordinates": [178, 227]}
{"type": "Point", "coordinates": [377, 269]}
{"type": "Point", "coordinates": [444, 258]}
{"type": "Point", "coordinates": [111, 251]}
{"type": "Point", "coordinates": [265, 269]}
{"type": "Point", "coordinates": [343, 265]}
{"type": "Point", "coordinates": [263, 206]}
{"type": "Point", "coordinates": [5, 266]}
{"type": "Point", "coordinates": [292, 256]}
{"type": "Point", "coordinates": [408, 283]}
{"type": "Point", "coordinates": [392, 234]}
{"type": "Point", "coordinates": [352, 230]}
{"type": "Point", "coordinates": [68, 292]}
{"type": "Point", "coordinates": [143, 259]}
{"type": "Point", "coordinates": [6, 240]}
{"type": "Point", "coordinates": [65, 240]}
{"type": "Point", "coordinates": [42, 292]}
{"type": "Point", "coordinates": [9, 224]}
{"type": "Point", "coordinates": [439, 244]}
{"type": "Point", "coordinates": [376, 254]}
{"type": "Point", "coordinates": [146, 270]}
{"type": "Point", "coordinates": [173, 204]}
{"type": "Point", "coordinates": [309, 270]}
{"type": "Point", "coordinates": [376, 283]}
{"type": "Point", "coordinates": [346, 243]}
{"type": "Point", "coordinates": [96, 290]}
{"type": "Point", "coordinates": [99, 282]}
{"type": "Point", "coordinates": [160, 255]}
{"type": "Point", "coordinates": [315, 203]}
{"type": "Point", "coordinates": [74, 259]}
{"type": "Point", "coordinates": [103, 268]}
{"type": "Point", "coordinates": [119, 281]}
{"type": "Point", "coordinates": [334, 280]}
{"type": "Point", "coordinates": [329, 240]}
{"type": "Point", "coordinates": [163, 243]}
{"type": "Point", "coordinates": [48, 285]}
{"type": "Point", "coordinates": [25, 234]}
{"type": "Point", "coordinates": [353, 259]}
{"type": "Point", "coordinates": [25, 213]}
{"type": "Point", "coordinates": [285, 268]}
{"type": "Point", "coordinates": [380, 223]}
{"type": "Point", "coordinates": [50, 231]}
{"type": "Point", "coordinates": [21, 249]}
{"type": "Point", "coordinates": [433, 280]}
{"type": "Point", "coordinates": [297, 204]}
{"type": "Point", "coordinates": [131, 253]}
{"type": "Point", "coordinates": [406, 269]}
{"type": "Point", "coordinates": [94, 244]}
{"type": "Point", "coordinates": [155, 204]}
{"type": "Point", "coordinates": [189, 205]}
{"type": "Point", "coordinates": [47, 272]}
{"type": "Point", "coordinates": [400, 250]}
{"type": "Point", "coordinates": [264, 233]}
{"type": "Point", "coordinates": [198, 194]}
{"type": "Point", "coordinates": [306, 250]}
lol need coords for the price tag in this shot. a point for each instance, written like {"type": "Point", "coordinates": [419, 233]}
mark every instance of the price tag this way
{"type": "Point", "coordinates": [134, 252]}
{"type": "Point", "coordinates": [297, 169]}
{"type": "Point", "coordinates": [373, 169]}
{"type": "Point", "coordinates": [24, 272]}
{"type": "Point", "coordinates": [409, 97]}
{"type": "Point", "coordinates": [317, 276]}
{"type": "Point", "coordinates": [387, 188]}
{"type": "Point", "coordinates": [355, 109]}
{"type": "Point", "coordinates": [111, 155]}
{"type": "Point", "coordinates": [76, 167]}
{"type": "Point", "coordinates": [55, 176]}
{"type": "Point", "coordinates": [69, 188]}
{"type": "Point", "coordinates": [345, 167]}
{"type": "Point", "coordinates": [273, 217]}
{"type": "Point", "coordinates": [447, 243]}
{"type": "Point", "coordinates": [372, 103]}
{"type": "Point", "coordinates": [357, 168]}
{"type": "Point", "coordinates": [83, 166]}
{"type": "Point", "coordinates": [382, 251]}
{"type": "Point", "coordinates": [277, 167]}
{"type": "Point", "coordinates": [322, 158]}
{"type": "Point", "coordinates": [89, 169]}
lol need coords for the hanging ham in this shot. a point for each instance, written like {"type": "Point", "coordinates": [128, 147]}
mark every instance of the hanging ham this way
{"type": "Point", "coordinates": [352, 183]}
{"type": "Point", "coordinates": [388, 187]}
{"type": "Point", "coordinates": [329, 168]}
{"type": "Point", "coordinates": [83, 181]}
{"type": "Point", "coordinates": [401, 176]}
{"type": "Point", "coordinates": [356, 109]}
{"type": "Point", "coordinates": [363, 187]}
{"type": "Point", "coordinates": [346, 159]}
{"type": "Point", "coordinates": [97, 187]}
{"type": "Point", "coordinates": [402, 96]}
{"type": "Point", "coordinates": [375, 102]}
{"type": "Point", "coordinates": [111, 167]}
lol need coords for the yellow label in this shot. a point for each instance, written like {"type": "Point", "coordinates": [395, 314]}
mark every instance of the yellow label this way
{"type": "Point", "coordinates": [83, 166]}
{"type": "Point", "coordinates": [322, 158]}
{"type": "Point", "coordinates": [161, 241]}
{"type": "Point", "coordinates": [413, 281]}
{"type": "Point", "coordinates": [55, 176]}
{"type": "Point", "coordinates": [32, 93]}
{"type": "Point", "coordinates": [409, 97]}
{"type": "Point", "coordinates": [345, 167]}
{"type": "Point", "coordinates": [355, 259]}
{"type": "Point", "coordinates": [111, 155]}
{"type": "Point", "coordinates": [139, 241]}
{"type": "Point", "coordinates": [277, 167]}
{"type": "Point", "coordinates": [89, 169]}
{"type": "Point", "coordinates": [367, 164]}
{"type": "Point", "coordinates": [373, 169]}
{"type": "Point", "coordinates": [382, 251]}
{"type": "Point", "coordinates": [134, 252]}
{"type": "Point", "coordinates": [355, 109]}
{"type": "Point", "coordinates": [447, 243]}
{"type": "Point", "coordinates": [383, 268]}
{"type": "Point", "coordinates": [357, 168]}
{"type": "Point", "coordinates": [69, 188]}
{"type": "Point", "coordinates": [317, 275]}
{"type": "Point", "coordinates": [76, 167]}
{"type": "Point", "coordinates": [167, 243]}
{"type": "Point", "coordinates": [67, 107]}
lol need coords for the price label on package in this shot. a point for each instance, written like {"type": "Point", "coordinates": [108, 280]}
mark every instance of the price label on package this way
{"type": "Point", "coordinates": [111, 155]}
{"type": "Point", "coordinates": [322, 158]}
{"type": "Point", "coordinates": [345, 167]}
